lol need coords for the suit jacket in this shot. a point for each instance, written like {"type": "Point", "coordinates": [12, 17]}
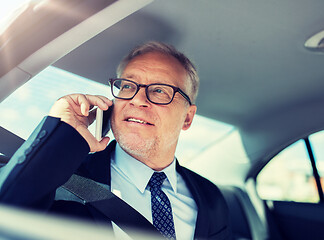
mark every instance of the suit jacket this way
{"type": "Point", "coordinates": [55, 151]}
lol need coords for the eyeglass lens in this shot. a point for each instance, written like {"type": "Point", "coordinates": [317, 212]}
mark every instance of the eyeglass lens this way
{"type": "Point", "coordinates": [157, 93]}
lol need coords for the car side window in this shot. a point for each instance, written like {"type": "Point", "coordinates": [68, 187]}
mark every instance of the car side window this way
{"type": "Point", "coordinates": [289, 176]}
{"type": "Point", "coordinates": [32, 101]}
{"type": "Point", "coordinates": [317, 141]}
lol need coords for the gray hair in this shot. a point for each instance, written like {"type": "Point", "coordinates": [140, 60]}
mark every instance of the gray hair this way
{"type": "Point", "coordinates": [154, 46]}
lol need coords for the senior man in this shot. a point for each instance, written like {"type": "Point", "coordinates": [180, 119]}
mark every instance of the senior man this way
{"type": "Point", "coordinates": [154, 95]}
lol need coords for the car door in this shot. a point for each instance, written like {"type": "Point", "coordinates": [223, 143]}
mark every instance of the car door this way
{"type": "Point", "coordinates": [291, 188]}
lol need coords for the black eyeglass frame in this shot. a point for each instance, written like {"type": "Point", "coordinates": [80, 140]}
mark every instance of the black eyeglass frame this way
{"type": "Point", "coordinates": [175, 90]}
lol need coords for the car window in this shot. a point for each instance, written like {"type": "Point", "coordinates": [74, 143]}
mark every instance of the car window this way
{"type": "Point", "coordinates": [288, 176]}
{"type": "Point", "coordinates": [317, 140]}
{"type": "Point", "coordinates": [24, 109]}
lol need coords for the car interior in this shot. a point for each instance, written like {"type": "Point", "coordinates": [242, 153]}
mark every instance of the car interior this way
{"type": "Point", "coordinates": [261, 73]}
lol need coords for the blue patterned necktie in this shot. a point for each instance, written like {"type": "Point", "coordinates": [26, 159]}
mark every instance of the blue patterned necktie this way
{"type": "Point", "coordinates": [161, 206]}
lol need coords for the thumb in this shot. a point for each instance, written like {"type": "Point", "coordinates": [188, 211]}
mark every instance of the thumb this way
{"type": "Point", "coordinates": [104, 142]}
{"type": "Point", "coordinates": [100, 146]}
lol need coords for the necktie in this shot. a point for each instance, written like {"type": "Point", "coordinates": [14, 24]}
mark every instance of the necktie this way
{"type": "Point", "coordinates": [161, 206]}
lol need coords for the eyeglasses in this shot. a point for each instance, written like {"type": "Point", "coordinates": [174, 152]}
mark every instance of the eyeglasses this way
{"type": "Point", "coordinates": [157, 93]}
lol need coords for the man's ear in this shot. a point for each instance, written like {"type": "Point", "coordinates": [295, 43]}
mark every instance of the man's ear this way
{"type": "Point", "coordinates": [189, 117]}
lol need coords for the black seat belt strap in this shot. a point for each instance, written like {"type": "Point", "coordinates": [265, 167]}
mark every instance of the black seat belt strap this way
{"type": "Point", "coordinates": [102, 199]}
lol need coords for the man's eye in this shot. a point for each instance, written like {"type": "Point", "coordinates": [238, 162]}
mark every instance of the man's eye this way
{"type": "Point", "coordinates": [125, 87]}
{"type": "Point", "coordinates": [158, 90]}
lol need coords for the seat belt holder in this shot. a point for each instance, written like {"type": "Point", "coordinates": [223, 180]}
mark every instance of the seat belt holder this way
{"type": "Point", "coordinates": [117, 210]}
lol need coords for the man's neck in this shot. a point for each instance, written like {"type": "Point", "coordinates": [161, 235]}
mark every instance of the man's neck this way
{"type": "Point", "coordinates": [157, 162]}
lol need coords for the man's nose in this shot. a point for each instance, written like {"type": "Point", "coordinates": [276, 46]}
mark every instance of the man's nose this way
{"type": "Point", "coordinates": [140, 99]}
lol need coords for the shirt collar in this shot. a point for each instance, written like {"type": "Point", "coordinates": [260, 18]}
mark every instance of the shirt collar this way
{"type": "Point", "coordinates": [138, 173]}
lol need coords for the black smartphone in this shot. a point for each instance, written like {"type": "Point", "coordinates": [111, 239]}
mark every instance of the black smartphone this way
{"type": "Point", "coordinates": [103, 122]}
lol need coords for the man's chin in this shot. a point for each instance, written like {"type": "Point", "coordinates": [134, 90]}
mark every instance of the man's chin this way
{"type": "Point", "coordinates": [135, 145]}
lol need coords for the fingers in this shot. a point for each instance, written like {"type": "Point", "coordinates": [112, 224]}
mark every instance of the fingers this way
{"type": "Point", "coordinates": [103, 103]}
{"type": "Point", "coordinates": [78, 104]}
{"type": "Point", "coordinates": [86, 102]}
{"type": "Point", "coordinates": [75, 109]}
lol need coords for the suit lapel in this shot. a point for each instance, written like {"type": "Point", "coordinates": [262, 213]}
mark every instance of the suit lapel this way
{"type": "Point", "coordinates": [202, 223]}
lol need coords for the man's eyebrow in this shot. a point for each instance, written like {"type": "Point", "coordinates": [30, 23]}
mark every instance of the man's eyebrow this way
{"type": "Point", "coordinates": [136, 78]}
{"type": "Point", "coordinates": [129, 76]}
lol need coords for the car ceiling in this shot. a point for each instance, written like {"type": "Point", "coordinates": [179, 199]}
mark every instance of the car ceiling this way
{"type": "Point", "coordinates": [255, 72]}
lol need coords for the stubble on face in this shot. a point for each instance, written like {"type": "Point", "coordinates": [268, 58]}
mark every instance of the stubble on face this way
{"type": "Point", "coordinates": [135, 145]}
{"type": "Point", "coordinates": [146, 150]}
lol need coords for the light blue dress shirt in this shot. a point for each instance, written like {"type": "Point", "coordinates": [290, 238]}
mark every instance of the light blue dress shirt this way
{"type": "Point", "coordinates": [129, 178]}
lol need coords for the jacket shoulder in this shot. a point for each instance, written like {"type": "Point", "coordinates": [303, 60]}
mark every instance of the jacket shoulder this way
{"type": "Point", "coordinates": [212, 207]}
{"type": "Point", "coordinates": [203, 182]}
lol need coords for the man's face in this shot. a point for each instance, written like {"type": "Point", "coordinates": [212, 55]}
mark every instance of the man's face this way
{"type": "Point", "coordinates": [147, 130]}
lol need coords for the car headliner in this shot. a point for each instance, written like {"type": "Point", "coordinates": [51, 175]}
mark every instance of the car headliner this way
{"type": "Point", "coordinates": [255, 72]}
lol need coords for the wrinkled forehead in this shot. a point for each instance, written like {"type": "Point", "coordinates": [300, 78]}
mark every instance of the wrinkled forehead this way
{"type": "Point", "coordinates": [157, 67]}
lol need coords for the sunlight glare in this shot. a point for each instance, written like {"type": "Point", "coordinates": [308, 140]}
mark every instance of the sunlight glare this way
{"type": "Point", "coordinates": [8, 12]}
{"type": "Point", "coordinates": [8, 6]}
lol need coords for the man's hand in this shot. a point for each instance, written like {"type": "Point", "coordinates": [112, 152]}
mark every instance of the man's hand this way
{"type": "Point", "coordinates": [75, 109]}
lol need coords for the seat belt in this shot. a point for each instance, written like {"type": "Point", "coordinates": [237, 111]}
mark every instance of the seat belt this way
{"type": "Point", "coordinates": [117, 210]}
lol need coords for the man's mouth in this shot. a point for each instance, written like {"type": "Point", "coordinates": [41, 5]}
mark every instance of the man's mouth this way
{"type": "Point", "coordinates": [138, 121]}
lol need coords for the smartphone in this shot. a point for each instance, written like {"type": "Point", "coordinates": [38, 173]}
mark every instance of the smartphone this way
{"type": "Point", "coordinates": [103, 122]}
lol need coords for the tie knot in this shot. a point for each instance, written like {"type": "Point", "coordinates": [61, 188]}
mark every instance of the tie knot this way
{"type": "Point", "coordinates": [157, 180]}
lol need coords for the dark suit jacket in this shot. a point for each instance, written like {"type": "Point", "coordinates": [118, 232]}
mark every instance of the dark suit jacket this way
{"type": "Point", "coordinates": [55, 151]}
